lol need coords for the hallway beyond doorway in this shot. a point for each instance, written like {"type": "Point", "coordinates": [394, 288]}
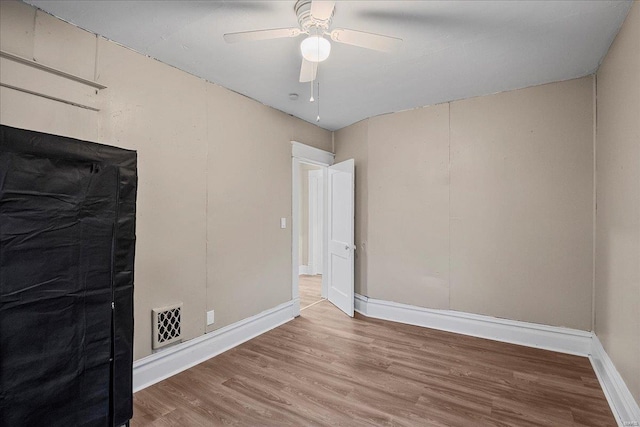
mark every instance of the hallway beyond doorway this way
{"type": "Point", "coordinates": [310, 290]}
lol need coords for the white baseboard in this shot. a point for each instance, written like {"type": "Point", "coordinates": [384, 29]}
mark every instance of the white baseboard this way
{"type": "Point", "coordinates": [563, 340]}
{"type": "Point", "coordinates": [304, 269]}
{"type": "Point", "coordinates": [159, 366]}
{"type": "Point", "coordinates": [295, 307]}
{"type": "Point", "coordinates": [622, 403]}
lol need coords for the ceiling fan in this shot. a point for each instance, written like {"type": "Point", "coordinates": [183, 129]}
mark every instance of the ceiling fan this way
{"type": "Point", "coordinates": [314, 19]}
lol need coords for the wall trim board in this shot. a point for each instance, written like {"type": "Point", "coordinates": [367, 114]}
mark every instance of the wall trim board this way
{"type": "Point", "coordinates": [304, 269]}
{"type": "Point", "coordinates": [621, 401]}
{"type": "Point", "coordinates": [34, 64]}
{"type": "Point", "coordinates": [563, 340]}
{"type": "Point", "coordinates": [311, 154]}
{"type": "Point", "coordinates": [159, 366]}
{"type": "Point", "coordinates": [33, 78]}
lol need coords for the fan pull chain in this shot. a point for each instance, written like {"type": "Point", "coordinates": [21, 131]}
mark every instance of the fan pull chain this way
{"type": "Point", "coordinates": [311, 99]}
{"type": "Point", "coordinates": [317, 67]}
{"type": "Point", "coordinates": [318, 118]}
{"type": "Point", "coordinates": [318, 92]}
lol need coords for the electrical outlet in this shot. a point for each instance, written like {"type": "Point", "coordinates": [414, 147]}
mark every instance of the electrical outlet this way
{"type": "Point", "coordinates": [210, 318]}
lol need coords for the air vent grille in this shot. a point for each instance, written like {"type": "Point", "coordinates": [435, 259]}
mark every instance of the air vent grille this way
{"type": "Point", "coordinates": [166, 325]}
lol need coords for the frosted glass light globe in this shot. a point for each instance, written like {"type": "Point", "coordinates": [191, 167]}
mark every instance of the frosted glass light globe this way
{"type": "Point", "coordinates": [315, 48]}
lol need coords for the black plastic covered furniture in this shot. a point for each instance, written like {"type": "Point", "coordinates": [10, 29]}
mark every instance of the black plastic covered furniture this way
{"type": "Point", "coordinates": [67, 243]}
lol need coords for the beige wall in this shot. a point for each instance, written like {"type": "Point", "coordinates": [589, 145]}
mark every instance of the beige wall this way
{"type": "Point", "coordinates": [409, 207]}
{"type": "Point", "coordinates": [522, 204]}
{"type": "Point", "coordinates": [617, 309]}
{"type": "Point", "coordinates": [160, 112]}
{"type": "Point", "coordinates": [214, 170]}
{"type": "Point", "coordinates": [483, 205]}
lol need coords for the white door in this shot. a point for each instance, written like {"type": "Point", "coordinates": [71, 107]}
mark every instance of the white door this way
{"type": "Point", "coordinates": [340, 235]}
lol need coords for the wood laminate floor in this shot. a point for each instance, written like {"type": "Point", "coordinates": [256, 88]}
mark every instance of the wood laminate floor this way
{"type": "Point", "coordinates": [310, 288]}
{"type": "Point", "coordinates": [324, 368]}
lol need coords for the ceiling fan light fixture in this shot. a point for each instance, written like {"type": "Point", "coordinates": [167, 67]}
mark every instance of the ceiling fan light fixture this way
{"type": "Point", "coordinates": [315, 48]}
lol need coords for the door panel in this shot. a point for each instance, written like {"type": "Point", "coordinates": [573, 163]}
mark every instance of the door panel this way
{"type": "Point", "coordinates": [340, 227]}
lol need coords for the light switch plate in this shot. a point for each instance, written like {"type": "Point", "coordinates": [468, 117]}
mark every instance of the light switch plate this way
{"type": "Point", "coordinates": [210, 318]}
{"type": "Point", "coordinates": [283, 222]}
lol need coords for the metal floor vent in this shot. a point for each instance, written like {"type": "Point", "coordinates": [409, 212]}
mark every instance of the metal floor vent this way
{"type": "Point", "coordinates": [166, 325]}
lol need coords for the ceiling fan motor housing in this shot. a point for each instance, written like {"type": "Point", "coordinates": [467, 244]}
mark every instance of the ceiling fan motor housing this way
{"type": "Point", "coordinates": [306, 21]}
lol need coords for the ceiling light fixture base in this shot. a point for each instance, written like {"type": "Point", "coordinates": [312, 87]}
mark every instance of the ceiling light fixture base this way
{"type": "Point", "coordinates": [306, 21]}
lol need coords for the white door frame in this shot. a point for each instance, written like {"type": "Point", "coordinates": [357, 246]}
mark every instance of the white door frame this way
{"type": "Point", "coordinates": [316, 230]}
{"type": "Point", "coordinates": [302, 153]}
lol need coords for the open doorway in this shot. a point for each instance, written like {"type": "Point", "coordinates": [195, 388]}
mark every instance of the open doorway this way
{"type": "Point", "coordinates": [335, 256]}
{"type": "Point", "coordinates": [310, 235]}
{"type": "Point", "coordinates": [308, 272]}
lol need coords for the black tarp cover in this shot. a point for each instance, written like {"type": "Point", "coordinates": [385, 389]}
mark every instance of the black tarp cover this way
{"type": "Point", "coordinates": [67, 242]}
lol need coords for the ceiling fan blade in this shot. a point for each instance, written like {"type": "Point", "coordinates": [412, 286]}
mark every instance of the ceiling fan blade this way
{"type": "Point", "coordinates": [308, 71]}
{"type": "Point", "coordinates": [366, 40]}
{"type": "Point", "coordinates": [250, 36]}
{"type": "Point", "coordinates": [322, 10]}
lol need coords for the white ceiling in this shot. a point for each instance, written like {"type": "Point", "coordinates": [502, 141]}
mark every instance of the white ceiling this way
{"type": "Point", "coordinates": [451, 50]}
